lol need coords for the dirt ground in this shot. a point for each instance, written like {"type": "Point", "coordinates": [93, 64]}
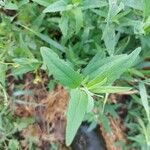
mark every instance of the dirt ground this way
{"type": "Point", "coordinates": [49, 109]}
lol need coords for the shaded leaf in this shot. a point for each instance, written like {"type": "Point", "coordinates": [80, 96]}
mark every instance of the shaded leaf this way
{"type": "Point", "coordinates": [76, 111]}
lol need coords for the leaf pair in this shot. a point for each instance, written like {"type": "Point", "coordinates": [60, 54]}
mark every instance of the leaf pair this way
{"type": "Point", "coordinates": [104, 72]}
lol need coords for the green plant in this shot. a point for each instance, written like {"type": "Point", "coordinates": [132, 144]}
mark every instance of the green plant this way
{"type": "Point", "coordinates": [95, 79]}
{"type": "Point", "coordinates": [93, 48]}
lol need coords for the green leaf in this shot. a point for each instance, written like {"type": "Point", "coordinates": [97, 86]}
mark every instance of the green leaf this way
{"type": "Point", "coordinates": [144, 99]}
{"type": "Point", "coordinates": [112, 70]}
{"type": "Point", "coordinates": [110, 39]}
{"type": "Point", "coordinates": [24, 48]}
{"type": "Point", "coordinates": [97, 83]}
{"type": "Point", "coordinates": [13, 145]}
{"type": "Point", "coordinates": [24, 65]}
{"type": "Point", "coordinates": [78, 18]}
{"type": "Point", "coordinates": [11, 6]}
{"type": "Point", "coordinates": [50, 41]}
{"type": "Point", "coordinates": [109, 89]}
{"type": "Point", "coordinates": [87, 4]}
{"type": "Point", "coordinates": [57, 6]}
{"type": "Point", "coordinates": [76, 111]}
{"type": "Point", "coordinates": [105, 122]}
{"type": "Point", "coordinates": [60, 69]}
{"type": "Point", "coordinates": [136, 4]}
{"type": "Point", "coordinates": [23, 123]}
{"type": "Point", "coordinates": [90, 105]}
{"type": "Point", "coordinates": [42, 2]}
{"type": "Point", "coordinates": [146, 9]}
{"type": "Point", "coordinates": [45, 38]}
{"type": "Point", "coordinates": [3, 68]}
{"type": "Point", "coordinates": [63, 24]}
{"type": "Point", "coordinates": [94, 66]}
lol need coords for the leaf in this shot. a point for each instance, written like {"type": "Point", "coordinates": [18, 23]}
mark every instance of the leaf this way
{"type": "Point", "coordinates": [24, 65]}
{"type": "Point", "coordinates": [144, 99]}
{"type": "Point", "coordinates": [45, 38]}
{"type": "Point", "coordinates": [96, 83]}
{"type": "Point", "coordinates": [136, 4]}
{"type": "Point", "coordinates": [57, 6]}
{"type": "Point", "coordinates": [76, 111]}
{"type": "Point", "coordinates": [60, 69]}
{"type": "Point", "coordinates": [3, 68]}
{"type": "Point", "coordinates": [94, 66]}
{"type": "Point", "coordinates": [90, 105]}
{"type": "Point", "coordinates": [50, 41]}
{"type": "Point", "coordinates": [87, 4]}
{"type": "Point", "coordinates": [105, 122]}
{"type": "Point", "coordinates": [11, 6]}
{"type": "Point", "coordinates": [114, 9]}
{"type": "Point", "coordinates": [109, 37]}
{"type": "Point", "coordinates": [146, 9]}
{"type": "Point", "coordinates": [109, 89]}
{"type": "Point", "coordinates": [42, 2]}
{"type": "Point", "coordinates": [143, 127]}
{"type": "Point", "coordinates": [24, 123]}
{"type": "Point", "coordinates": [13, 145]}
{"type": "Point", "coordinates": [24, 48]}
{"type": "Point", "coordinates": [63, 24]}
{"type": "Point", "coordinates": [78, 18]}
{"type": "Point", "coordinates": [113, 70]}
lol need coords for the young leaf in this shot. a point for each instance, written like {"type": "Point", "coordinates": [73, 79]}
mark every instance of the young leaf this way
{"type": "Point", "coordinates": [60, 69]}
{"type": "Point", "coordinates": [109, 89]}
{"type": "Point", "coordinates": [76, 111]}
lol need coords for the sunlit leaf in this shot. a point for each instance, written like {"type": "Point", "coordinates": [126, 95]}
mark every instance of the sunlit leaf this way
{"type": "Point", "coordinates": [60, 69]}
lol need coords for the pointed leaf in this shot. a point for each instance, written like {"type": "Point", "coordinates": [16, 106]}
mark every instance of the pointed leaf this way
{"type": "Point", "coordinates": [110, 89]}
{"type": "Point", "coordinates": [57, 6]}
{"type": "Point", "coordinates": [60, 69]}
{"type": "Point", "coordinates": [113, 70]}
{"type": "Point", "coordinates": [76, 111]}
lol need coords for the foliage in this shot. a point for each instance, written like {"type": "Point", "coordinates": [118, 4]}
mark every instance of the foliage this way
{"type": "Point", "coordinates": [92, 48]}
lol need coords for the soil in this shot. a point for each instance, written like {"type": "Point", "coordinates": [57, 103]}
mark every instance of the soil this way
{"type": "Point", "coordinates": [49, 109]}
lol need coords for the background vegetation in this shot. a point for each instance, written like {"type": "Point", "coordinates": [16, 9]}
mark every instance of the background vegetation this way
{"type": "Point", "coordinates": [93, 48]}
